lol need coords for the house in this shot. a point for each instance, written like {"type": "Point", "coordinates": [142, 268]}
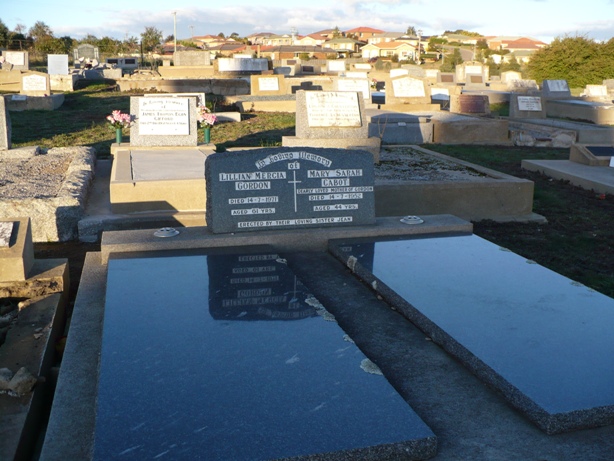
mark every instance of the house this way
{"type": "Point", "coordinates": [384, 37]}
{"type": "Point", "coordinates": [310, 40]}
{"type": "Point", "coordinates": [326, 33]}
{"type": "Point", "coordinates": [362, 33]}
{"type": "Point", "coordinates": [278, 40]}
{"type": "Point", "coordinates": [514, 43]}
{"type": "Point", "coordinates": [206, 41]}
{"type": "Point", "coordinates": [258, 39]}
{"type": "Point", "coordinates": [462, 39]}
{"type": "Point", "coordinates": [403, 50]}
{"type": "Point", "coordinates": [295, 52]}
{"type": "Point", "coordinates": [344, 44]}
{"type": "Point", "coordinates": [229, 49]}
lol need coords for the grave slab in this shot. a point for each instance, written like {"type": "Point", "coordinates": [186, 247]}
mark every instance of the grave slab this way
{"type": "Point", "coordinates": [536, 336]}
{"type": "Point", "coordinates": [248, 365]}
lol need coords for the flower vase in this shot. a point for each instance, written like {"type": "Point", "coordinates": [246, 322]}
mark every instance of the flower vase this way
{"type": "Point", "coordinates": [118, 135]}
{"type": "Point", "coordinates": [207, 134]}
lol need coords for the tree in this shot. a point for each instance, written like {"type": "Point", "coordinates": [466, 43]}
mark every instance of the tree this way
{"type": "Point", "coordinates": [452, 61]}
{"type": "Point", "coordinates": [411, 30]}
{"type": "Point", "coordinates": [577, 59]}
{"type": "Point", "coordinates": [336, 32]}
{"type": "Point", "coordinates": [108, 45]}
{"type": "Point", "coordinates": [150, 38]}
{"type": "Point", "coordinates": [169, 38]}
{"type": "Point", "coordinates": [4, 34]}
{"type": "Point", "coordinates": [89, 39]}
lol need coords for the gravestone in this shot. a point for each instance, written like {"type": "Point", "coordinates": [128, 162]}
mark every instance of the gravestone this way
{"type": "Point", "coordinates": [398, 73]}
{"type": "Point", "coordinates": [261, 85]}
{"type": "Point", "coordinates": [5, 125]}
{"type": "Point", "coordinates": [163, 121]}
{"type": "Point", "coordinates": [356, 74]}
{"type": "Point", "coordinates": [555, 89]}
{"type": "Point", "coordinates": [35, 84]}
{"type": "Point", "coordinates": [86, 51]}
{"type": "Point", "coordinates": [335, 66]}
{"type": "Point", "coordinates": [281, 188]}
{"type": "Point", "coordinates": [242, 65]}
{"type": "Point", "coordinates": [527, 107]}
{"type": "Point", "coordinates": [332, 119]}
{"type": "Point", "coordinates": [408, 94]}
{"type": "Point", "coordinates": [57, 64]}
{"type": "Point", "coordinates": [510, 76]}
{"type": "Point", "coordinates": [446, 77]}
{"type": "Point", "coordinates": [192, 58]}
{"type": "Point", "coordinates": [596, 91]}
{"type": "Point", "coordinates": [18, 59]}
{"type": "Point", "coordinates": [354, 85]}
{"type": "Point", "coordinates": [469, 104]}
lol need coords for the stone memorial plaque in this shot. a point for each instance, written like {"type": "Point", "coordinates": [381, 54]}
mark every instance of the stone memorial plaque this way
{"type": "Point", "coordinates": [308, 69]}
{"type": "Point", "coordinates": [247, 365]}
{"type": "Point", "coordinates": [57, 64]}
{"type": "Point", "coordinates": [268, 84]}
{"type": "Point", "coordinates": [19, 97]}
{"type": "Point", "coordinates": [447, 78]}
{"type": "Point", "coordinates": [6, 230]}
{"type": "Point", "coordinates": [530, 103]}
{"type": "Point", "coordinates": [355, 74]}
{"type": "Point", "coordinates": [164, 116]}
{"type": "Point", "coordinates": [332, 109]}
{"type": "Point", "coordinates": [355, 85]}
{"type": "Point", "coordinates": [531, 336]}
{"type": "Point", "coordinates": [34, 83]}
{"type": "Point", "coordinates": [472, 103]}
{"type": "Point", "coordinates": [281, 188]}
{"type": "Point", "coordinates": [362, 66]}
{"type": "Point", "coordinates": [408, 88]}
{"type": "Point", "coordinates": [473, 70]}
{"type": "Point", "coordinates": [17, 58]}
{"type": "Point", "coordinates": [476, 79]}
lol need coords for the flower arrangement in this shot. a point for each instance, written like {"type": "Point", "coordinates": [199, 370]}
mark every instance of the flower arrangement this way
{"type": "Point", "coordinates": [373, 83]}
{"type": "Point", "coordinates": [205, 117]}
{"type": "Point", "coordinates": [119, 120]}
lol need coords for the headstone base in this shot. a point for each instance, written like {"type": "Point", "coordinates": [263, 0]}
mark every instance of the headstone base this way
{"type": "Point", "coordinates": [17, 257]}
{"type": "Point", "coordinates": [468, 130]}
{"type": "Point", "coordinates": [423, 107]}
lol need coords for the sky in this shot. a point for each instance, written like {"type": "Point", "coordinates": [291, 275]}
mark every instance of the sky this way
{"type": "Point", "coordinates": [540, 19]}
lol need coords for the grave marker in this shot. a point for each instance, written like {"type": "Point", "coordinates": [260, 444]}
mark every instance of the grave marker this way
{"type": "Point", "coordinates": [5, 125]}
{"type": "Point", "coordinates": [18, 59]}
{"type": "Point", "coordinates": [163, 121]}
{"type": "Point", "coordinates": [282, 188]}
{"type": "Point", "coordinates": [555, 89]}
{"type": "Point", "coordinates": [527, 107]}
{"type": "Point", "coordinates": [35, 84]}
{"type": "Point", "coordinates": [57, 64]}
{"type": "Point", "coordinates": [354, 85]}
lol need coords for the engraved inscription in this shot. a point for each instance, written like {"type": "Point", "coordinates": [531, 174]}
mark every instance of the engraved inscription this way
{"type": "Point", "coordinates": [333, 109]}
{"type": "Point", "coordinates": [530, 103]}
{"type": "Point", "coordinates": [408, 88]}
{"type": "Point", "coordinates": [268, 84]}
{"type": "Point", "coordinates": [164, 116]}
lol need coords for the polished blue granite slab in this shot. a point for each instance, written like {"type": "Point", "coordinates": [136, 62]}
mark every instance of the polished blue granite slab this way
{"type": "Point", "coordinates": [229, 357]}
{"type": "Point", "coordinates": [544, 341]}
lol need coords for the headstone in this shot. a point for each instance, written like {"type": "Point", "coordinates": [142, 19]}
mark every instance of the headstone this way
{"type": "Point", "coordinates": [5, 125]}
{"type": "Point", "coordinates": [466, 70]}
{"type": "Point", "coordinates": [510, 76]}
{"type": "Point", "coordinates": [413, 71]}
{"type": "Point", "coordinates": [226, 387]}
{"type": "Point", "coordinates": [163, 121]}
{"type": "Point", "coordinates": [555, 89]}
{"type": "Point", "coordinates": [86, 51]}
{"type": "Point", "coordinates": [522, 86]}
{"type": "Point", "coordinates": [200, 97]}
{"type": "Point", "coordinates": [469, 104]}
{"type": "Point", "coordinates": [362, 66]}
{"type": "Point", "coordinates": [354, 85]}
{"type": "Point", "coordinates": [267, 85]}
{"type": "Point", "coordinates": [527, 107]}
{"type": "Point", "coordinates": [242, 65]}
{"type": "Point", "coordinates": [335, 66]}
{"type": "Point", "coordinates": [57, 64]}
{"type": "Point", "coordinates": [281, 188]}
{"type": "Point", "coordinates": [192, 58]}
{"type": "Point", "coordinates": [446, 77]}
{"type": "Point", "coordinates": [355, 74]}
{"type": "Point", "coordinates": [18, 59]}
{"type": "Point", "coordinates": [596, 91]}
{"type": "Point", "coordinates": [407, 90]}
{"type": "Point", "coordinates": [16, 249]}
{"type": "Point", "coordinates": [37, 84]}
{"type": "Point", "coordinates": [398, 73]}
{"type": "Point", "coordinates": [332, 119]}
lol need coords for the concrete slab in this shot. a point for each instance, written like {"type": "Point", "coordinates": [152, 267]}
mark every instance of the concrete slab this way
{"type": "Point", "coordinates": [531, 336]}
{"type": "Point", "coordinates": [167, 164]}
{"type": "Point", "coordinates": [597, 178]}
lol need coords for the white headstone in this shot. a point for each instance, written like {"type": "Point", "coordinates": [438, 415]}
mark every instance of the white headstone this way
{"type": "Point", "coordinates": [268, 84]}
{"type": "Point", "coordinates": [530, 103]}
{"type": "Point", "coordinates": [355, 85]}
{"type": "Point", "coordinates": [17, 58]}
{"type": "Point", "coordinates": [35, 85]}
{"type": "Point", "coordinates": [398, 72]}
{"type": "Point", "coordinates": [57, 64]}
{"type": "Point", "coordinates": [6, 230]}
{"type": "Point", "coordinates": [332, 109]}
{"type": "Point", "coordinates": [408, 88]}
{"type": "Point", "coordinates": [355, 74]}
{"type": "Point", "coordinates": [442, 94]}
{"type": "Point", "coordinates": [335, 66]}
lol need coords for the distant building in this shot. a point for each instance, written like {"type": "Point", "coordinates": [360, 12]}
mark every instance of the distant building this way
{"type": "Point", "coordinates": [362, 33]}
{"type": "Point", "coordinates": [403, 50]}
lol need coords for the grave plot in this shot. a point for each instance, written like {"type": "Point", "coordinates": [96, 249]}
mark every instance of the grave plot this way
{"type": "Point", "coordinates": [227, 356]}
{"type": "Point", "coordinates": [539, 338]}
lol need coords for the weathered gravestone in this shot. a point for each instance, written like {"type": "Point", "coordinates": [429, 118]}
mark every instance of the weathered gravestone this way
{"type": "Point", "coordinates": [18, 59]}
{"type": "Point", "coordinates": [57, 64]}
{"type": "Point", "coordinates": [264, 85]}
{"type": "Point", "coordinates": [360, 85]}
{"type": "Point", "coordinates": [163, 121]}
{"type": "Point", "coordinates": [527, 107]}
{"type": "Point", "coordinates": [280, 188]}
{"type": "Point", "coordinates": [86, 51]}
{"type": "Point", "coordinates": [555, 89]}
{"type": "Point", "coordinates": [469, 104]}
{"type": "Point", "coordinates": [407, 94]}
{"type": "Point", "coordinates": [332, 119]}
{"type": "Point", "coordinates": [335, 66]}
{"type": "Point", "coordinates": [242, 65]}
{"type": "Point", "coordinates": [5, 125]}
{"type": "Point", "coordinates": [35, 84]}
{"type": "Point", "coordinates": [192, 58]}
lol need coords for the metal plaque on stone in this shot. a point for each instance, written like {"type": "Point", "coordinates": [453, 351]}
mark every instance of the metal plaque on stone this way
{"type": "Point", "coordinates": [285, 188]}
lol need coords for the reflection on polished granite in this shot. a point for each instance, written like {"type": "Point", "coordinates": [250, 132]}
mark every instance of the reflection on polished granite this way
{"type": "Point", "coordinates": [229, 357]}
{"type": "Point", "coordinates": [543, 340]}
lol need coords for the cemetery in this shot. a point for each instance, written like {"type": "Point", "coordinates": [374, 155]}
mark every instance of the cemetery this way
{"type": "Point", "coordinates": [322, 298]}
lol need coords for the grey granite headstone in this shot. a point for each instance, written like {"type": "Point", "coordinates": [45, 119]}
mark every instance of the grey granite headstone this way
{"type": "Point", "coordinates": [285, 188]}
{"type": "Point", "coordinates": [5, 125]}
{"type": "Point", "coordinates": [330, 114]}
{"type": "Point", "coordinates": [57, 64]}
{"type": "Point", "coordinates": [163, 121]}
{"type": "Point", "coordinates": [555, 89]}
{"type": "Point", "coordinates": [86, 51]}
{"type": "Point", "coordinates": [540, 339]}
{"type": "Point", "coordinates": [6, 230]}
{"type": "Point", "coordinates": [247, 365]}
